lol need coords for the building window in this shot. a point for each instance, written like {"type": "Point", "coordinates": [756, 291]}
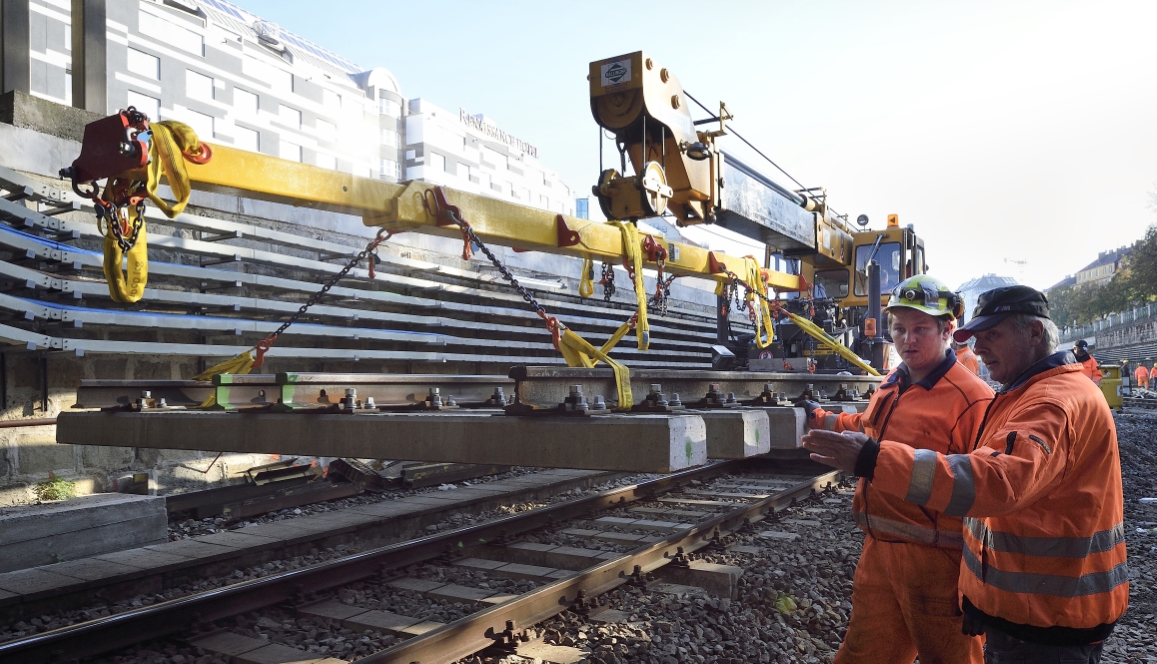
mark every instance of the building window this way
{"type": "Point", "coordinates": [390, 138]}
{"type": "Point", "coordinates": [464, 171]}
{"type": "Point", "coordinates": [143, 64]}
{"type": "Point", "coordinates": [411, 154]}
{"type": "Point", "coordinates": [265, 73]}
{"type": "Point", "coordinates": [327, 161]}
{"type": "Point", "coordinates": [437, 162]}
{"type": "Point", "coordinates": [150, 106]}
{"type": "Point", "coordinates": [290, 117]}
{"type": "Point", "coordinates": [331, 100]}
{"type": "Point", "coordinates": [494, 158]}
{"type": "Point", "coordinates": [389, 107]}
{"type": "Point", "coordinates": [390, 169]}
{"type": "Point", "coordinates": [172, 34]}
{"type": "Point", "coordinates": [198, 86]}
{"type": "Point", "coordinates": [290, 151]}
{"type": "Point", "coordinates": [326, 130]}
{"type": "Point", "coordinates": [246, 139]}
{"type": "Point", "coordinates": [245, 102]}
{"type": "Point", "coordinates": [201, 123]}
{"type": "Point", "coordinates": [544, 202]}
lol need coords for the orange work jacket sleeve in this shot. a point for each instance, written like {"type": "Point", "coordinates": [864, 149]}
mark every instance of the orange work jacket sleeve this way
{"type": "Point", "coordinates": [1089, 368]}
{"type": "Point", "coordinates": [1031, 462]}
{"type": "Point", "coordinates": [969, 361]}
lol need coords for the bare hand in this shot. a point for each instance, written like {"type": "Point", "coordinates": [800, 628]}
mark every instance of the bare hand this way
{"type": "Point", "coordinates": [839, 450]}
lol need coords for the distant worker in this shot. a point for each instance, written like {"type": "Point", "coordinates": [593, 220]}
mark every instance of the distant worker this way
{"type": "Point", "coordinates": [1045, 575]}
{"type": "Point", "coordinates": [965, 356]}
{"type": "Point", "coordinates": [1141, 374]}
{"type": "Point", "coordinates": [904, 595]}
{"type": "Point", "coordinates": [1088, 362]}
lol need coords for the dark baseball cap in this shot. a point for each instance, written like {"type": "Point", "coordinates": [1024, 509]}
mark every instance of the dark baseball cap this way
{"type": "Point", "coordinates": [999, 303]}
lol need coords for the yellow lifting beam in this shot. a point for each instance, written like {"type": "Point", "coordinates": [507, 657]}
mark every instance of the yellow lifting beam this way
{"type": "Point", "coordinates": [398, 207]}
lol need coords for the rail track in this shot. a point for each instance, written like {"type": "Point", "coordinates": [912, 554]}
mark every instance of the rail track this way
{"type": "Point", "coordinates": [633, 551]}
{"type": "Point", "coordinates": [1140, 403]}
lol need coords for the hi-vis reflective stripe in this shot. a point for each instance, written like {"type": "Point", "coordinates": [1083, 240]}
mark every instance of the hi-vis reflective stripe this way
{"type": "Point", "coordinates": [948, 539]}
{"type": "Point", "coordinates": [1047, 584]}
{"type": "Point", "coordinates": [923, 471]}
{"type": "Point", "coordinates": [963, 486]}
{"type": "Point", "coordinates": [1056, 547]}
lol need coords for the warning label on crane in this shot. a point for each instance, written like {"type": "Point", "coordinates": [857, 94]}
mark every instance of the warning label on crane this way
{"type": "Point", "coordinates": [616, 73]}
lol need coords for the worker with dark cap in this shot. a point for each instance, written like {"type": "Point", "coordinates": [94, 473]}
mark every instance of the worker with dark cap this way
{"type": "Point", "coordinates": [965, 356]}
{"type": "Point", "coordinates": [1088, 362]}
{"type": "Point", "coordinates": [1044, 573]}
{"type": "Point", "coordinates": [904, 595]}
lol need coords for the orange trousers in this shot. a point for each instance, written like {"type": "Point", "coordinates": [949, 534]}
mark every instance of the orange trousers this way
{"type": "Point", "coordinates": [904, 604]}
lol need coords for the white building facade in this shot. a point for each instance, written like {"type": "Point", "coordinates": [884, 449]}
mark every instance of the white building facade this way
{"type": "Point", "coordinates": [242, 81]}
{"type": "Point", "coordinates": [471, 153]}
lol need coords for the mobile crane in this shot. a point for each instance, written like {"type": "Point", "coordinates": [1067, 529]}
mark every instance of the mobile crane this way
{"type": "Point", "coordinates": [677, 171]}
{"type": "Point", "coordinates": [681, 173]}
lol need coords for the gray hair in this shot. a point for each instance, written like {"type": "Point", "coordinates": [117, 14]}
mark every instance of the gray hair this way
{"type": "Point", "coordinates": [1051, 335]}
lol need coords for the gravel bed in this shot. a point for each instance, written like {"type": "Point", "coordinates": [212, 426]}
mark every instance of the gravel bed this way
{"type": "Point", "coordinates": [815, 571]}
{"type": "Point", "coordinates": [1135, 639]}
{"type": "Point", "coordinates": [184, 528]}
{"type": "Point", "coordinates": [473, 578]}
{"type": "Point", "coordinates": [64, 618]}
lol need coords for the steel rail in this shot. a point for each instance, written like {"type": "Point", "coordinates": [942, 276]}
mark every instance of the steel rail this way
{"type": "Point", "coordinates": [110, 633]}
{"type": "Point", "coordinates": [475, 632]}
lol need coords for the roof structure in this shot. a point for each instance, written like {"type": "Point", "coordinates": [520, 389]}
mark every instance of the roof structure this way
{"type": "Point", "coordinates": [1109, 257]}
{"type": "Point", "coordinates": [238, 20]}
{"type": "Point", "coordinates": [987, 282]}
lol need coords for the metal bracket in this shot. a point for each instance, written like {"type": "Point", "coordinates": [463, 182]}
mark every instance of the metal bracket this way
{"type": "Point", "coordinates": [566, 237]}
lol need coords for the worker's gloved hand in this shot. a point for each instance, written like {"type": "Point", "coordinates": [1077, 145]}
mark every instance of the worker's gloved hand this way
{"type": "Point", "coordinates": [815, 416]}
{"type": "Point", "coordinates": [972, 627]}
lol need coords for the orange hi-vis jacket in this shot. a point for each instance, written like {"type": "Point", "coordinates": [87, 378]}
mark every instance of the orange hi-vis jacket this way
{"type": "Point", "coordinates": [940, 413]}
{"type": "Point", "coordinates": [968, 359]}
{"type": "Point", "coordinates": [1089, 368]}
{"type": "Point", "coordinates": [1044, 559]}
{"type": "Point", "coordinates": [1141, 374]}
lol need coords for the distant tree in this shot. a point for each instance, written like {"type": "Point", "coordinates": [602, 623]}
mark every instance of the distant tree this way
{"type": "Point", "coordinates": [1138, 283]}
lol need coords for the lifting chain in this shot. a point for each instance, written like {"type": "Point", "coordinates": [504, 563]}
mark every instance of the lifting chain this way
{"type": "Point", "coordinates": [608, 281]}
{"type": "Point", "coordinates": [662, 294]}
{"type": "Point", "coordinates": [116, 216]}
{"type": "Point", "coordinates": [435, 203]}
{"type": "Point", "coordinates": [265, 344]}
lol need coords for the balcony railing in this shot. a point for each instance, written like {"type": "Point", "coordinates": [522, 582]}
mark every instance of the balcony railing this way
{"type": "Point", "coordinates": [1110, 322]}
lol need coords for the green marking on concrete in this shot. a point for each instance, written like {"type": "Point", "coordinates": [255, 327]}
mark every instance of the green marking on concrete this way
{"type": "Point", "coordinates": [756, 435]}
{"type": "Point", "coordinates": [689, 448]}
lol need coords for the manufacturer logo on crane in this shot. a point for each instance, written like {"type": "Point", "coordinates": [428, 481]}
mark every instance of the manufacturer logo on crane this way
{"type": "Point", "coordinates": [616, 72]}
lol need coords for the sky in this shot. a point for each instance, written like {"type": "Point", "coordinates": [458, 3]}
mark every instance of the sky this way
{"type": "Point", "coordinates": [1017, 137]}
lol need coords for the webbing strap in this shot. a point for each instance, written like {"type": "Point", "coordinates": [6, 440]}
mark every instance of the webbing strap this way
{"type": "Point", "coordinates": [635, 255]}
{"type": "Point", "coordinates": [586, 279]}
{"type": "Point", "coordinates": [578, 352]}
{"type": "Point", "coordinates": [126, 287]}
{"type": "Point", "coordinates": [762, 320]}
{"type": "Point", "coordinates": [240, 364]}
{"type": "Point", "coordinates": [171, 141]}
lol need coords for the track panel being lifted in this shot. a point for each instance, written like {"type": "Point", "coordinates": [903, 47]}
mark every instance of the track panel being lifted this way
{"type": "Point", "coordinates": [636, 443]}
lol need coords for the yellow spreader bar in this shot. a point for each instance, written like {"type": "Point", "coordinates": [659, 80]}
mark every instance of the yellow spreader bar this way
{"type": "Point", "coordinates": [398, 207]}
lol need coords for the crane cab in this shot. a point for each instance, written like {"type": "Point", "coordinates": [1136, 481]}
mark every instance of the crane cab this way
{"type": "Point", "coordinates": [899, 252]}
